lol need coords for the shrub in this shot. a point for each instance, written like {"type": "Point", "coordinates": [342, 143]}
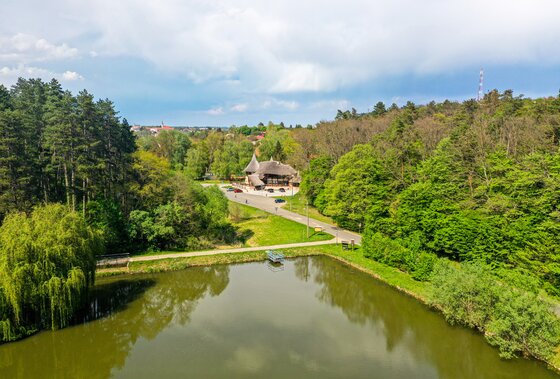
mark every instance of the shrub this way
{"type": "Point", "coordinates": [523, 323]}
{"type": "Point", "coordinates": [465, 295]}
{"type": "Point", "coordinates": [392, 253]}
{"type": "Point", "coordinates": [514, 320]}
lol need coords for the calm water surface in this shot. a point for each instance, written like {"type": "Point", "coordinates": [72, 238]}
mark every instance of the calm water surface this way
{"type": "Point", "coordinates": [315, 319]}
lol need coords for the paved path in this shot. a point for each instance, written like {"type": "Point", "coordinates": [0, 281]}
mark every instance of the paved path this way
{"type": "Point", "coordinates": [267, 204]}
{"type": "Point", "coordinates": [227, 251]}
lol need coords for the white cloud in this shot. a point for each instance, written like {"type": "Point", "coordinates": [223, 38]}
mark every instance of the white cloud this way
{"type": "Point", "coordinates": [218, 111]}
{"type": "Point", "coordinates": [10, 71]}
{"type": "Point", "coordinates": [71, 76]}
{"type": "Point", "coordinates": [330, 104]}
{"type": "Point", "coordinates": [281, 104]}
{"type": "Point", "coordinates": [9, 75]}
{"type": "Point", "coordinates": [239, 107]}
{"type": "Point", "coordinates": [290, 105]}
{"type": "Point", "coordinates": [292, 46]}
{"type": "Point", "coordinates": [322, 46]}
{"type": "Point", "coordinates": [25, 48]}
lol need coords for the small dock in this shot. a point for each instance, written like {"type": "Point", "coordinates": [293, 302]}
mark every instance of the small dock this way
{"type": "Point", "coordinates": [275, 257]}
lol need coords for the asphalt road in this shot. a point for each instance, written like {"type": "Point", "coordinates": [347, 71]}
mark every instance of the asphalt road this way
{"type": "Point", "coordinates": [267, 204]}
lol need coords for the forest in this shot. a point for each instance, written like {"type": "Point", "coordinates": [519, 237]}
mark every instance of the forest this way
{"type": "Point", "coordinates": [463, 195]}
{"type": "Point", "coordinates": [75, 184]}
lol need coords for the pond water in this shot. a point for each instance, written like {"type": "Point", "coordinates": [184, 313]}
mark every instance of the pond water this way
{"type": "Point", "coordinates": [316, 318]}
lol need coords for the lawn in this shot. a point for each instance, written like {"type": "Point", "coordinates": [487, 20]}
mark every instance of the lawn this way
{"type": "Point", "coordinates": [297, 204]}
{"type": "Point", "coordinates": [258, 228]}
{"type": "Point", "coordinates": [355, 258]}
{"type": "Point", "coordinates": [261, 228]}
{"type": "Point", "coordinates": [212, 181]}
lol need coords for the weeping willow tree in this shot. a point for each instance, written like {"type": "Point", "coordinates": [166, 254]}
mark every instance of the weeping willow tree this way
{"type": "Point", "coordinates": [47, 263]}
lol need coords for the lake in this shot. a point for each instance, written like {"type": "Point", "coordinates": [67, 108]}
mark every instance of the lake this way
{"type": "Point", "coordinates": [315, 318]}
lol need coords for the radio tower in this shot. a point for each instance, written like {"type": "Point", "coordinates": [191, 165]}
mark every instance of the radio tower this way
{"type": "Point", "coordinates": [480, 85]}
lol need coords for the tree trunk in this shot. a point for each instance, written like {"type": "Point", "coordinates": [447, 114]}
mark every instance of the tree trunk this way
{"type": "Point", "coordinates": [66, 184]}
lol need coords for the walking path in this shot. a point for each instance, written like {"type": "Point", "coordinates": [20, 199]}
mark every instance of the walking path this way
{"type": "Point", "coordinates": [144, 258]}
{"type": "Point", "coordinates": [266, 204]}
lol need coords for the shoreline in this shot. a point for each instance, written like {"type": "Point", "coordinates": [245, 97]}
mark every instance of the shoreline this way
{"type": "Point", "coordinates": [390, 276]}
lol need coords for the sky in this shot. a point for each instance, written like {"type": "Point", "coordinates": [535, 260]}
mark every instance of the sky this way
{"type": "Point", "coordinates": [220, 63]}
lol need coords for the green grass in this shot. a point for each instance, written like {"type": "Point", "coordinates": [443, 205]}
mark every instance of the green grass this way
{"type": "Point", "coordinates": [387, 274]}
{"type": "Point", "coordinates": [212, 181]}
{"type": "Point", "coordinates": [257, 228]}
{"type": "Point", "coordinates": [264, 229]}
{"type": "Point", "coordinates": [298, 205]}
{"type": "Point", "coordinates": [355, 258]}
{"type": "Point", "coordinates": [173, 264]}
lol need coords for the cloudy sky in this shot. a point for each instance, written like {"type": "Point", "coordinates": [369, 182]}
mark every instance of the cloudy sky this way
{"type": "Point", "coordinates": [204, 62]}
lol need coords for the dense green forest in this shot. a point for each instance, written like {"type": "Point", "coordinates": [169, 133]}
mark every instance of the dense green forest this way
{"type": "Point", "coordinates": [59, 148]}
{"type": "Point", "coordinates": [74, 184]}
{"type": "Point", "coordinates": [472, 182]}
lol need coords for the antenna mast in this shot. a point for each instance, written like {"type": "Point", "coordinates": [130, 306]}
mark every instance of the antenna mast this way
{"type": "Point", "coordinates": [480, 85]}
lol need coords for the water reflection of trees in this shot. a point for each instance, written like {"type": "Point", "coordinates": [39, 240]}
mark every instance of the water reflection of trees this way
{"type": "Point", "coordinates": [455, 353]}
{"type": "Point", "coordinates": [124, 311]}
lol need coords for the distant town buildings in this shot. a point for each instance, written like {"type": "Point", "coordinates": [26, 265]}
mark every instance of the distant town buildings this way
{"type": "Point", "coordinates": [154, 130]}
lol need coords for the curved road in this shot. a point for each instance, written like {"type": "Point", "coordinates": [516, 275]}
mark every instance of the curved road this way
{"type": "Point", "coordinates": [267, 204]}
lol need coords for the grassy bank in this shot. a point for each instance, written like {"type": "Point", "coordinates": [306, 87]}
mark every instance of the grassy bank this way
{"type": "Point", "coordinates": [257, 228]}
{"type": "Point", "coordinates": [389, 275]}
{"type": "Point", "coordinates": [172, 264]}
{"type": "Point", "coordinates": [298, 205]}
{"type": "Point", "coordinates": [263, 229]}
{"type": "Point", "coordinates": [212, 181]}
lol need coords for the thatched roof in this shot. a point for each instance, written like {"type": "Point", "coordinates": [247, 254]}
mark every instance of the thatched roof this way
{"type": "Point", "coordinates": [255, 181]}
{"type": "Point", "coordinates": [275, 168]}
{"type": "Point", "coordinates": [253, 166]}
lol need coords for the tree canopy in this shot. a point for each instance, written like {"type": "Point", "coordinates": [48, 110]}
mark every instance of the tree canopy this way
{"type": "Point", "coordinates": [47, 262]}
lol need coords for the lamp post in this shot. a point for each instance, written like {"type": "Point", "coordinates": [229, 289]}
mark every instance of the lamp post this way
{"type": "Point", "coordinates": [307, 207]}
{"type": "Point", "coordinates": [336, 229]}
{"type": "Point", "coordinates": [292, 199]}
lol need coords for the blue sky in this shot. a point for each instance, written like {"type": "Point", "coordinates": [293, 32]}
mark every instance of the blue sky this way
{"type": "Point", "coordinates": [194, 62]}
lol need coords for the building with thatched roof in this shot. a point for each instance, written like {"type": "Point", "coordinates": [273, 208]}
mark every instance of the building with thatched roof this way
{"type": "Point", "coordinates": [270, 173]}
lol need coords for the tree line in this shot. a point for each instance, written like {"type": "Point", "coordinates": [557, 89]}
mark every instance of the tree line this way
{"type": "Point", "coordinates": [56, 147]}
{"type": "Point", "coordinates": [470, 182]}
{"type": "Point", "coordinates": [75, 183]}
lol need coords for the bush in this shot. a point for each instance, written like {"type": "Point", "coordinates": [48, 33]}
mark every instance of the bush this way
{"type": "Point", "coordinates": [423, 266]}
{"type": "Point", "coordinates": [392, 253]}
{"type": "Point", "coordinates": [465, 295]}
{"type": "Point", "coordinates": [523, 323]}
{"type": "Point", "coordinates": [162, 228]}
{"type": "Point", "coordinates": [105, 216]}
{"type": "Point", "coordinates": [514, 320]}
